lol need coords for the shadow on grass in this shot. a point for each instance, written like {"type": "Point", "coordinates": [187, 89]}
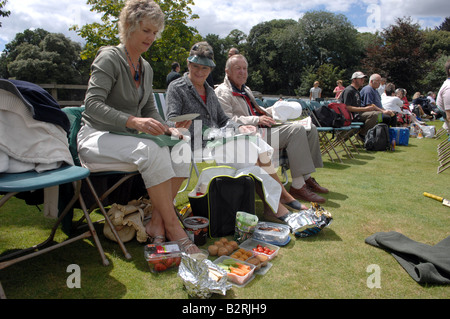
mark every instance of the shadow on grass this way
{"type": "Point", "coordinates": [48, 277]}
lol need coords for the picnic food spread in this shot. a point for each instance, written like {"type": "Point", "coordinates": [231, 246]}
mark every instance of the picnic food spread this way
{"type": "Point", "coordinates": [232, 262]}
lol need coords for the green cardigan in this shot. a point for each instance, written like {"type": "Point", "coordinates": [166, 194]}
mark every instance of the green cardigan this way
{"type": "Point", "coordinates": [112, 96]}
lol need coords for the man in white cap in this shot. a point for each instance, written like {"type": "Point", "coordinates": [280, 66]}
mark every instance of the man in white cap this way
{"type": "Point", "coordinates": [351, 97]}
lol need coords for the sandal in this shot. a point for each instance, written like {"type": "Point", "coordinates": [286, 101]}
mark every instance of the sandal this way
{"type": "Point", "coordinates": [187, 246]}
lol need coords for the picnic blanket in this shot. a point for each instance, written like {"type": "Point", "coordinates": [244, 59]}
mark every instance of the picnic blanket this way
{"type": "Point", "coordinates": [424, 263]}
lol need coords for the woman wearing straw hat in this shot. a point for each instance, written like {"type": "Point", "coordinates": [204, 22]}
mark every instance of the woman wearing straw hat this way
{"type": "Point", "coordinates": [192, 94]}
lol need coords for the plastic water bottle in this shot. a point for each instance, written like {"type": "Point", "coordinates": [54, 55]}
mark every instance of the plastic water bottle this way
{"type": "Point", "coordinates": [393, 145]}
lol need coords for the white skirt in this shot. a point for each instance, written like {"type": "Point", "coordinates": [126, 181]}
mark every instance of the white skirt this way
{"type": "Point", "coordinates": [101, 151]}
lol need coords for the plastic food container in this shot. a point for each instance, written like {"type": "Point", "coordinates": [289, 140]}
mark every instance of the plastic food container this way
{"type": "Point", "coordinates": [197, 229]}
{"type": "Point", "coordinates": [272, 233]}
{"type": "Point", "coordinates": [237, 279]}
{"type": "Point", "coordinates": [161, 257]}
{"type": "Point", "coordinates": [242, 254]}
{"type": "Point", "coordinates": [254, 244]}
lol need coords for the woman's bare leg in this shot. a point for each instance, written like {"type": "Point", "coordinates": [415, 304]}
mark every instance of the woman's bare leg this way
{"type": "Point", "coordinates": [162, 196]}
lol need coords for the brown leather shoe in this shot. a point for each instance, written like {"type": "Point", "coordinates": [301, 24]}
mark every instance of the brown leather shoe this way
{"type": "Point", "coordinates": [306, 194]}
{"type": "Point", "coordinates": [315, 187]}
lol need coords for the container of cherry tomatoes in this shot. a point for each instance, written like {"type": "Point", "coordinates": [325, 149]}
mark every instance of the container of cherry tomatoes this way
{"type": "Point", "coordinates": [161, 257]}
{"type": "Point", "coordinates": [260, 248]}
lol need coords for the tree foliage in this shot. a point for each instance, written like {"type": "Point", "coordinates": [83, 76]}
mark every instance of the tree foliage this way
{"type": "Point", "coordinates": [328, 38]}
{"type": "Point", "coordinates": [3, 13]}
{"type": "Point", "coordinates": [285, 56]}
{"type": "Point", "coordinates": [273, 55]}
{"type": "Point", "coordinates": [400, 57]}
{"type": "Point", "coordinates": [174, 45]}
{"type": "Point", "coordinates": [327, 74]}
{"type": "Point", "coordinates": [445, 25]}
{"type": "Point", "coordinates": [42, 57]}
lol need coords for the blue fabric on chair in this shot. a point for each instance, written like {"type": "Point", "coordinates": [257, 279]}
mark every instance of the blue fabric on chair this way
{"type": "Point", "coordinates": [41, 104]}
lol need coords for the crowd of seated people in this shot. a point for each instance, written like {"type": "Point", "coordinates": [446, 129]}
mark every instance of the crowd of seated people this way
{"type": "Point", "coordinates": [111, 109]}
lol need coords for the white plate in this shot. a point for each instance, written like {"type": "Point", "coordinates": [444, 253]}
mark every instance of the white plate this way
{"type": "Point", "coordinates": [184, 117]}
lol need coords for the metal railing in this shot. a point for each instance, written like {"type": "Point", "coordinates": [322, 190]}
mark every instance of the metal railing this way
{"type": "Point", "coordinates": [53, 90]}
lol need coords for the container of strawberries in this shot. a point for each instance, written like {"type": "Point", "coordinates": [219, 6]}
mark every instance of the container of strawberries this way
{"type": "Point", "coordinates": [161, 257]}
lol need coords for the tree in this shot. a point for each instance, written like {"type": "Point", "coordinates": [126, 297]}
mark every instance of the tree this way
{"type": "Point", "coordinates": [435, 75]}
{"type": "Point", "coordinates": [436, 43]}
{"type": "Point", "coordinates": [235, 38]}
{"type": "Point", "coordinates": [174, 44]}
{"type": "Point", "coordinates": [327, 74]}
{"type": "Point", "coordinates": [42, 57]}
{"type": "Point", "coordinates": [3, 13]}
{"type": "Point", "coordinates": [400, 57]}
{"type": "Point", "coordinates": [275, 57]}
{"type": "Point", "coordinates": [328, 38]}
{"type": "Point", "coordinates": [445, 25]}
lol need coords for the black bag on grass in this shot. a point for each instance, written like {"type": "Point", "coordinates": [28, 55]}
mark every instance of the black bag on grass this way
{"type": "Point", "coordinates": [224, 196]}
{"type": "Point", "coordinates": [377, 138]}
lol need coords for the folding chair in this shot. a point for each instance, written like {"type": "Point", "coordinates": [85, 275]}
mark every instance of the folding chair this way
{"type": "Point", "coordinates": [269, 101]}
{"type": "Point", "coordinates": [13, 183]}
{"type": "Point", "coordinates": [443, 151]}
{"type": "Point", "coordinates": [326, 144]}
{"type": "Point", "coordinates": [74, 114]}
{"type": "Point", "coordinates": [343, 135]}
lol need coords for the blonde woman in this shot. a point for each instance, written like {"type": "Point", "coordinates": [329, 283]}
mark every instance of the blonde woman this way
{"type": "Point", "coordinates": [120, 99]}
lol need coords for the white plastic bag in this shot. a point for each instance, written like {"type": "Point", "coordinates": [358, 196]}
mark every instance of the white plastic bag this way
{"type": "Point", "coordinates": [428, 131]}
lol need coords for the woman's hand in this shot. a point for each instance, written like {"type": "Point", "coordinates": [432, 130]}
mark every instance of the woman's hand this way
{"type": "Point", "coordinates": [146, 125]}
{"type": "Point", "coordinates": [247, 129]}
{"type": "Point", "coordinates": [265, 120]}
{"type": "Point", "coordinates": [172, 131]}
{"type": "Point", "coordinates": [388, 112]}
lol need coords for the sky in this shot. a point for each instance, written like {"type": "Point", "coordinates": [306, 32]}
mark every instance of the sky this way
{"type": "Point", "coordinates": [220, 17]}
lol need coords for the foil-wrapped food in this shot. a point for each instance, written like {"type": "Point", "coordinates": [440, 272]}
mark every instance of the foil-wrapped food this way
{"type": "Point", "coordinates": [309, 222]}
{"type": "Point", "coordinates": [201, 277]}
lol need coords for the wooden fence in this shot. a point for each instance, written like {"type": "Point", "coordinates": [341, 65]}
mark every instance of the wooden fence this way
{"type": "Point", "coordinates": [53, 90]}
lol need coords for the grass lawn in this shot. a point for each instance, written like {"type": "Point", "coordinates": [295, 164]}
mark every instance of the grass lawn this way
{"type": "Point", "coordinates": [375, 192]}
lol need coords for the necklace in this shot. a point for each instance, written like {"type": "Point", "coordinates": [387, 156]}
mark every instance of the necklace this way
{"type": "Point", "coordinates": [136, 69]}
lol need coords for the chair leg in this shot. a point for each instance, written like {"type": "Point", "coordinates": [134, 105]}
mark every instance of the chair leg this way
{"type": "Point", "coordinates": [2, 292]}
{"type": "Point", "coordinates": [47, 245]}
{"type": "Point", "coordinates": [93, 232]}
{"type": "Point", "coordinates": [107, 219]}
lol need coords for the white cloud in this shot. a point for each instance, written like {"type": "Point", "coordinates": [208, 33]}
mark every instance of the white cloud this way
{"type": "Point", "coordinates": [51, 15]}
{"type": "Point", "coordinates": [222, 16]}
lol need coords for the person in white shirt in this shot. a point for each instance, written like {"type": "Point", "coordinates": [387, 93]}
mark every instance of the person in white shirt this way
{"type": "Point", "coordinates": [390, 101]}
{"type": "Point", "coordinates": [382, 86]}
{"type": "Point", "coordinates": [443, 98]}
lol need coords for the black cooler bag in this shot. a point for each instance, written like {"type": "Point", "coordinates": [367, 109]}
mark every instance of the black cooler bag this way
{"type": "Point", "coordinates": [222, 198]}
